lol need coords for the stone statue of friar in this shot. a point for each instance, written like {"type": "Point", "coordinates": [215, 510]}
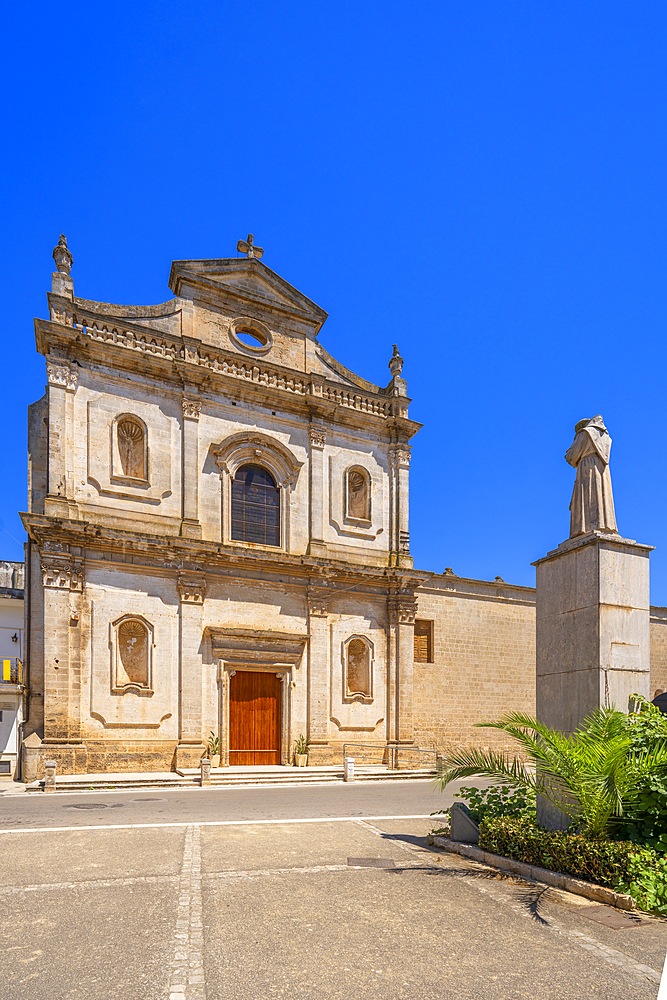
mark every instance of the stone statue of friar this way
{"type": "Point", "coordinates": [592, 504]}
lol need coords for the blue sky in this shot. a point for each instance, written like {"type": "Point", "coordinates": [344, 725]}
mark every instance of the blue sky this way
{"type": "Point", "coordinates": [483, 184]}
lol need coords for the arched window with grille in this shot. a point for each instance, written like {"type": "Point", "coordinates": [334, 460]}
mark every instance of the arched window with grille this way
{"type": "Point", "coordinates": [255, 506]}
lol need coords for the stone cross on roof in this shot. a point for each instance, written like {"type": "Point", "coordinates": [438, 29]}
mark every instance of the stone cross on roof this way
{"type": "Point", "coordinates": [248, 247]}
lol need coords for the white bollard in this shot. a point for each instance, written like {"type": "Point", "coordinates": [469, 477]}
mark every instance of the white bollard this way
{"type": "Point", "coordinates": [348, 769]}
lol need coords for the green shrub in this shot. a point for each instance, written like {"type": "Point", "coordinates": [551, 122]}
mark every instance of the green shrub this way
{"type": "Point", "coordinates": [593, 775]}
{"type": "Point", "coordinates": [618, 864]}
{"type": "Point", "coordinates": [645, 818]}
{"type": "Point", "coordinates": [498, 800]}
{"type": "Point", "coordinates": [646, 881]}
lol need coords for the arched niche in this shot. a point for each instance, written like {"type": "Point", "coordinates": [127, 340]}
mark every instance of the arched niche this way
{"type": "Point", "coordinates": [132, 644]}
{"type": "Point", "coordinates": [129, 449]}
{"type": "Point", "coordinates": [358, 669]}
{"type": "Point", "coordinates": [358, 494]}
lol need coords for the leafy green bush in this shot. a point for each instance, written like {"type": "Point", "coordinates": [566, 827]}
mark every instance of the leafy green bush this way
{"type": "Point", "coordinates": [498, 800]}
{"type": "Point", "coordinates": [618, 864]}
{"type": "Point", "coordinates": [646, 881]}
{"type": "Point", "coordinates": [593, 775]}
{"type": "Point", "coordinates": [645, 818]}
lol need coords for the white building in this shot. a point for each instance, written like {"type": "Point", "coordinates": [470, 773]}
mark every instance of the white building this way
{"type": "Point", "coordinates": [11, 665]}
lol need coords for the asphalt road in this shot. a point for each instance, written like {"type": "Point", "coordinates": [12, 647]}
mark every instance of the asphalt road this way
{"type": "Point", "coordinates": [372, 798]}
{"type": "Point", "coordinates": [240, 894]}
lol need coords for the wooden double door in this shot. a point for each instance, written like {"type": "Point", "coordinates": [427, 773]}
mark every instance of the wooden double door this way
{"type": "Point", "coordinates": [254, 717]}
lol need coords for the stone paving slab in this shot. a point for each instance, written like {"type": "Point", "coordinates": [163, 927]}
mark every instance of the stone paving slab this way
{"type": "Point", "coordinates": [81, 855]}
{"type": "Point", "coordinates": [292, 845]}
{"type": "Point", "coordinates": [394, 935]}
{"type": "Point", "coordinates": [239, 912]}
{"type": "Point", "coordinates": [89, 944]}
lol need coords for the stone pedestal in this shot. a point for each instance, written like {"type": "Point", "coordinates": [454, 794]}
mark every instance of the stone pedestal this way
{"type": "Point", "coordinates": [592, 627]}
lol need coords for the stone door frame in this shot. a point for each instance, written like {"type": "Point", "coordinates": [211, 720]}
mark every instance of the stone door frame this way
{"type": "Point", "coordinates": [226, 671]}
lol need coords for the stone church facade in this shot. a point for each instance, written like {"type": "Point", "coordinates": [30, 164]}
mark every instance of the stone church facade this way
{"type": "Point", "coordinates": [219, 543]}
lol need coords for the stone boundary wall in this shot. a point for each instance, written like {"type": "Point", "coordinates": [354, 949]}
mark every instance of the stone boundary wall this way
{"type": "Point", "coordinates": [484, 660]}
{"type": "Point", "coordinates": [658, 651]}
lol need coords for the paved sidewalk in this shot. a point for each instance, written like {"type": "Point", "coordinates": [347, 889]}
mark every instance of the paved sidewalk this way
{"type": "Point", "coordinates": [310, 910]}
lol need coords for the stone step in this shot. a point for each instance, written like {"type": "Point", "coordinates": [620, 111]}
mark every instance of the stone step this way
{"type": "Point", "coordinates": [226, 777]}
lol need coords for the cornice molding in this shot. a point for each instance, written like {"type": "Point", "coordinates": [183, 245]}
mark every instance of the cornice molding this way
{"type": "Point", "coordinates": [121, 344]}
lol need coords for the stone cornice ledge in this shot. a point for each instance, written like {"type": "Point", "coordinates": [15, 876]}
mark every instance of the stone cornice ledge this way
{"type": "Point", "coordinates": [175, 552]}
{"type": "Point", "coordinates": [119, 343]}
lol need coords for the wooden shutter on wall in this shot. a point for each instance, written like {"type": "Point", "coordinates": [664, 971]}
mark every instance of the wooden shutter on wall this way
{"type": "Point", "coordinates": [423, 641]}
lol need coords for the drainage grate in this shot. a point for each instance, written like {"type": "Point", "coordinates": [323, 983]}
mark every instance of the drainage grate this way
{"type": "Point", "coordinates": [371, 863]}
{"type": "Point", "coordinates": [97, 805]}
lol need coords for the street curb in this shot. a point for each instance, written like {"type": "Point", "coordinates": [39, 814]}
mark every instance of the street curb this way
{"type": "Point", "coordinates": [598, 893]}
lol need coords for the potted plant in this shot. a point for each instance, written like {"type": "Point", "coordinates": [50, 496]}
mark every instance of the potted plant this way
{"type": "Point", "coordinates": [213, 749]}
{"type": "Point", "coordinates": [301, 751]}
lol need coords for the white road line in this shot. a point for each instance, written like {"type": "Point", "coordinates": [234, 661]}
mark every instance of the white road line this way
{"type": "Point", "coordinates": [187, 968]}
{"type": "Point", "coordinates": [208, 822]}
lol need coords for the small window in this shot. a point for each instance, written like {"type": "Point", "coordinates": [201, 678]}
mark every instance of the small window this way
{"type": "Point", "coordinates": [5, 767]}
{"type": "Point", "coordinates": [358, 494]}
{"type": "Point", "coordinates": [423, 641]}
{"type": "Point", "coordinates": [255, 506]}
{"type": "Point", "coordinates": [250, 338]}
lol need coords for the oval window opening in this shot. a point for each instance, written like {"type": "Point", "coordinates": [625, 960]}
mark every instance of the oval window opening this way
{"type": "Point", "coordinates": [250, 338]}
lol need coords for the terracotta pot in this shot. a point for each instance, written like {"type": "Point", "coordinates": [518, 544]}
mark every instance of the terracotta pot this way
{"type": "Point", "coordinates": [300, 759]}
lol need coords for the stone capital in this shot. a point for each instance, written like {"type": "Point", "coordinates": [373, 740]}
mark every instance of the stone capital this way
{"type": "Point", "coordinates": [191, 408]}
{"type": "Point", "coordinates": [399, 456]}
{"type": "Point", "coordinates": [191, 588]}
{"type": "Point", "coordinates": [402, 610]}
{"type": "Point", "coordinates": [62, 374]}
{"type": "Point", "coordinates": [318, 607]}
{"type": "Point", "coordinates": [317, 437]}
{"type": "Point", "coordinates": [60, 570]}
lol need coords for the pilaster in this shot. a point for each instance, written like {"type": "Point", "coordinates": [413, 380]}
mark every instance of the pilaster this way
{"type": "Point", "coordinates": [190, 527]}
{"type": "Point", "coordinates": [317, 439]}
{"type": "Point", "coordinates": [400, 662]}
{"type": "Point", "coordinates": [62, 579]}
{"type": "Point", "coordinates": [62, 380]}
{"type": "Point", "coordinates": [318, 666]}
{"type": "Point", "coordinates": [399, 492]}
{"type": "Point", "coordinates": [191, 590]}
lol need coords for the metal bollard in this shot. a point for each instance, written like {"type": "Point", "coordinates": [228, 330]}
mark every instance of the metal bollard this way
{"type": "Point", "coordinates": [50, 775]}
{"type": "Point", "coordinates": [205, 765]}
{"type": "Point", "coordinates": [348, 769]}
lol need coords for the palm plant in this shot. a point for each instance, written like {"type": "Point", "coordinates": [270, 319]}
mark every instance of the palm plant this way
{"type": "Point", "coordinates": [591, 776]}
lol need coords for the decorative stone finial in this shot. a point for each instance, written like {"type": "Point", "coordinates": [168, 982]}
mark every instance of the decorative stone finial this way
{"type": "Point", "coordinates": [62, 256]}
{"type": "Point", "coordinates": [248, 247]}
{"type": "Point", "coordinates": [396, 362]}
